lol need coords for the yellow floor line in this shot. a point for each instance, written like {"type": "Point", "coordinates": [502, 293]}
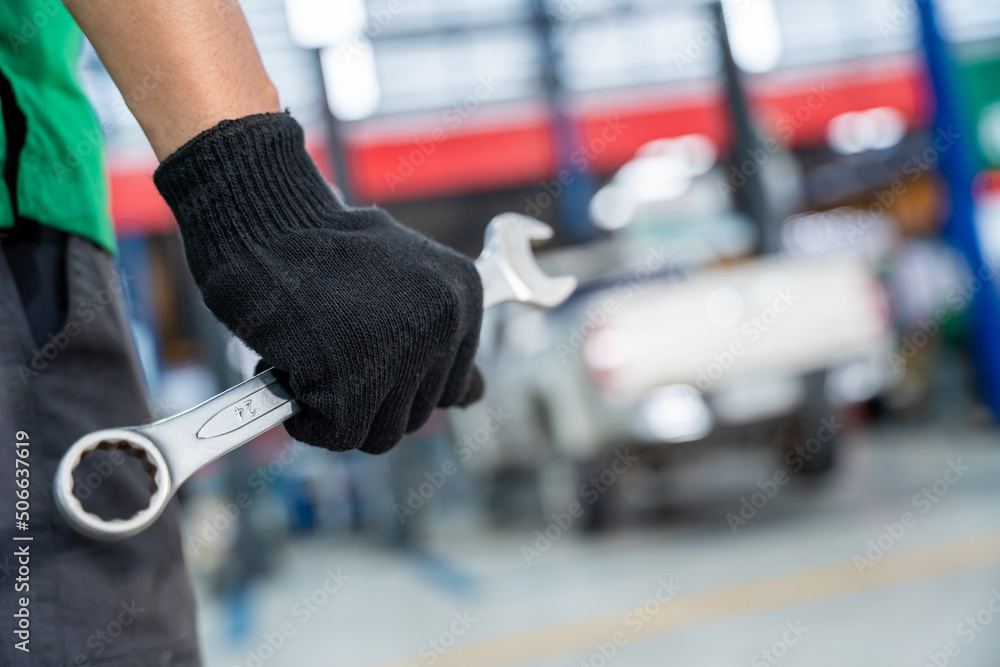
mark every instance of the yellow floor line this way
{"type": "Point", "coordinates": [757, 596]}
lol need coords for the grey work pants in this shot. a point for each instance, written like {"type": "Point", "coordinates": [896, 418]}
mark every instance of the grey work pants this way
{"type": "Point", "coordinates": [90, 602]}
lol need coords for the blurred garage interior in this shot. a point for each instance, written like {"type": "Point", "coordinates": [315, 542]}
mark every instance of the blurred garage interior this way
{"type": "Point", "coordinates": [764, 429]}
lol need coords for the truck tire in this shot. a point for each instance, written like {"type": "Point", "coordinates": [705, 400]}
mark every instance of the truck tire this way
{"type": "Point", "coordinates": [601, 506]}
{"type": "Point", "coordinates": [808, 441]}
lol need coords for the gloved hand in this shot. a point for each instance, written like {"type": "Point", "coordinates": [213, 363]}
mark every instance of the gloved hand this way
{"type": "Point", "coordinates": [370, 324]}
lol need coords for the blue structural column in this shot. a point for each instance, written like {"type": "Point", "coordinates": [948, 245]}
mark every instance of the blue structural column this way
{"type": "Point", "coordinates": [958, 169]}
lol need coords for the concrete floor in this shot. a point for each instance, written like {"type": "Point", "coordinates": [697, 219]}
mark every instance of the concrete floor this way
{"type": "Point", "coordinates": [785, 588]}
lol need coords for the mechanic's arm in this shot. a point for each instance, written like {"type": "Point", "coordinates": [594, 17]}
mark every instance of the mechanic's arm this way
{"type": "Point", "coordinates": [182, 65]}
{"type": "Point", "coordinates": [371, 324]}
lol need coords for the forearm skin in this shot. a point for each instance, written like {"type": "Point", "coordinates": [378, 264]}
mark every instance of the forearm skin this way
{"type": "Point", "coordinates": [182, 65]}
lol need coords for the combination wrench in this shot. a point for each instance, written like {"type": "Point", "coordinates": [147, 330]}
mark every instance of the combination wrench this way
{"type": "Point", "coordinates": [171, 450]}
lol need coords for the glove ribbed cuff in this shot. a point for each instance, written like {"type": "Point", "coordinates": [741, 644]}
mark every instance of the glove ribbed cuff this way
{"type": "Point", "coordinates": [250, 177]}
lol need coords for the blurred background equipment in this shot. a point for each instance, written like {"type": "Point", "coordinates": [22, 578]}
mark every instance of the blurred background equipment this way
{"type": "Point", "coordinates": [768, 414]}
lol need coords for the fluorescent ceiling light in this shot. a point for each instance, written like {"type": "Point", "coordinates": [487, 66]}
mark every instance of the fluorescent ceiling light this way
{"type": "Point", "coordinates": [314, 24]}
{"type": "Point", "coordinates": [754, 34]}
{"type": "Point", "coordinates": [351, 80]}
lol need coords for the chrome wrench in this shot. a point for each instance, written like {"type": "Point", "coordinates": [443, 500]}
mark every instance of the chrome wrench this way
{"type": "Point", "coordinates": [172, 449]}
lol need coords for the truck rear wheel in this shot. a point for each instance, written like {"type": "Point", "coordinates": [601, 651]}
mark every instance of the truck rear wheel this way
{"type": "Point", "coordinates": [809, 439]}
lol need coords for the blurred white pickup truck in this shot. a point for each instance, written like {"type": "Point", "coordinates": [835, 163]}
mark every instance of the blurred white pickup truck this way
{"type": "Point", "coordinates": [678, 339]}
{"type": "Point", "coordinates": [760, 351]}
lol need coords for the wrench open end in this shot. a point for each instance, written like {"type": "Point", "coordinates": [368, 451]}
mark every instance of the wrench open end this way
{"type": "Point", "coordinates": [132, 444]}
{"type": "Point", "coordinates": [508, 268]}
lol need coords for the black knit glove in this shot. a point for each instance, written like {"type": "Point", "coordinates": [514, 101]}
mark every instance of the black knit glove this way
{"type": "Point", "coordinates": [370, 324]}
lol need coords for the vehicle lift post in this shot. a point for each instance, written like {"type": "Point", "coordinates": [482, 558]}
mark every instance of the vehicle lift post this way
{"type": "Point", "coordinates": [958, 168]}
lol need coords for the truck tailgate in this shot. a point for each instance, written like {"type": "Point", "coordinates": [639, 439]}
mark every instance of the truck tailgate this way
{"type": "Point", "coordinates": [780, 314]}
